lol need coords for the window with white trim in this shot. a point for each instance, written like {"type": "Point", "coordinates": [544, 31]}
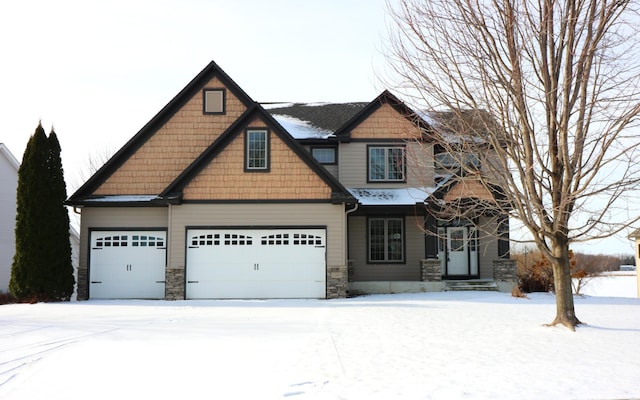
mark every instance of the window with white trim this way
{"type": "Point", "coordinates": [386, 239]}
{"type": "Point", "coordinates": [386, 163]}
{"type": "Point", "coordinates": [257, 150]}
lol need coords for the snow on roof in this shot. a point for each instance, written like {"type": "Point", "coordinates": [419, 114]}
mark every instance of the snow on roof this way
{"type": "Point", "coordinates": [300, 129]}
{"type": "Point", "coordinates": [391, 197]}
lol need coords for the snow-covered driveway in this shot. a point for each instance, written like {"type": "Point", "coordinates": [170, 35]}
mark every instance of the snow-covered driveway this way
{"type": "Point", "coordinates": [418, 346]}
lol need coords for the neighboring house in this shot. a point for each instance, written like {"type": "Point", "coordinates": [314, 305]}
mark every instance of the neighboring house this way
{"type": "Point", "coordinates": [221, 197]}
{"type": "Point", "coordinates": [9, 166]}
{"type": "Point", "coordinates": [635, 235]}
{"type": "Point", "coordinates": [9, 184]}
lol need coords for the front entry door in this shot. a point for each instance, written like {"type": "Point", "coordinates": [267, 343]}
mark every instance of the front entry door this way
{"type": "Point", "coordinates": [458, 251]}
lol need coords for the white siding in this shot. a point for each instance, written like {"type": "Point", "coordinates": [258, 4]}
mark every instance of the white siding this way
{"type": "Point", "coordinates": [9, 185]}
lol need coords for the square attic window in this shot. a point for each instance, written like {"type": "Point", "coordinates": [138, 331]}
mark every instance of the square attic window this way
{"type": "Point", "coordinates": [214, 101]}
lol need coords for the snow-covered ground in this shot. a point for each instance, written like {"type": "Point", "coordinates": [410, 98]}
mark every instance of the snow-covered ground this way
{"type": "Point", "coordinates": [471, 345]}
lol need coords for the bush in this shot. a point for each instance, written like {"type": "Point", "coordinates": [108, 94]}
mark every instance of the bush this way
{"type": "Point", "coordinates": [7, 298]}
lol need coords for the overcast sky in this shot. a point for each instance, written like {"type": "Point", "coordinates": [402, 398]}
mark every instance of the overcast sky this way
{"type": "Point", "coordinates": [97, 71]}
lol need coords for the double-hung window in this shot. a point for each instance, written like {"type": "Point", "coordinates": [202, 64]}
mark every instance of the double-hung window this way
{"type": "Point", "coordinates": [386, 240]}
{"type": "Point", "coordinates": [386, 163]}
{"type": "Point", "coordinates": [257, 150]}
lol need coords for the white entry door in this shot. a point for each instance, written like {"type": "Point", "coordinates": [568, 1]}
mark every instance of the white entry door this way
{"type": "Point", "coordinates": [256, 263]}
{"type": "Point", "coordinates": [127, 264]}
{"type": "Point", "coordinates": [458, 251]}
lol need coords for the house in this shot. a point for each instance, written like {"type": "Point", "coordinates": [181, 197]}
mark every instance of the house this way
{"type": "Point", "coordinates": [635, 236]}
{"type": "Point", "coordinates": [221, 197]}
{"type": "Point", "coordinates": [9, 183]}
{"type": "Point", "coordinates": [9, 166]}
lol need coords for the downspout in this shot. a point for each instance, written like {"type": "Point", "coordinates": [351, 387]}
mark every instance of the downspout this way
{"type": "Point", "coordinates": [346, 224]}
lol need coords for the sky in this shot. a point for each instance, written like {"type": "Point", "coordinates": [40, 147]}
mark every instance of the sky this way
{"type": "Point", "coordinates": [96, 72]}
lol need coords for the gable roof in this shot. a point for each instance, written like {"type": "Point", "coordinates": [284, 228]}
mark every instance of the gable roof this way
{"type": "Point", "coordinates": [172, 193]}
{"type": "Point", "coordinates": [339, 192]}
{"type": "Point", "coordinates": [192, 88]}
{"type": "Point", "coordinates": [344, 132]}
{"type": "Point", "coordinates": [4, 150]}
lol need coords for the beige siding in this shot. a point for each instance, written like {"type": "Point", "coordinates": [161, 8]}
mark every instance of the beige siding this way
{"type": "Point", "coordinates": [117, 218]}
{"type": "Point", "coordinates": [363, 271]}
{"type": "Point", "coordinates": [353, 165]}
{"type": "Point", "coordinates": [173, 147]}
{"type": "Point", "coordinates": [258, 215]}
{"type": "Point", "coordinates": [288, 177]}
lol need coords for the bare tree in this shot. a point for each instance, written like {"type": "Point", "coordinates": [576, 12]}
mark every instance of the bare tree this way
{"type": "Point", "coordinates": [560, 78]}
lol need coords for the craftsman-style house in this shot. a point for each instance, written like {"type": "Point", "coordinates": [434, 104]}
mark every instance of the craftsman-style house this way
{"type": "Point", "coordinates": [221, 197]}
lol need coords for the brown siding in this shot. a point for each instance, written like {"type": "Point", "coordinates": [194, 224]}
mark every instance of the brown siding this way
{"type": "Point", "coordinates": [259, 215]}
{"type": "Point", "coordinates": [386, 123]}
{"type": "Point", "coordinates": [173, 147]}
{"type": "Point", "coordinates": [469, 188]}
{"type": "Point", "coordinates": [410, 271]}
{"type": "Point", "coordinates": [288, 178]}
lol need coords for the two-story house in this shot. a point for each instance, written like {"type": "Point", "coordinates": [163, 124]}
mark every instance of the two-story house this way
{"type": "Point", "coordinates": [221, 197]}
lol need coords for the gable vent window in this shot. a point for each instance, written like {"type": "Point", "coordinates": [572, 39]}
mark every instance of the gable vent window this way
{"type": "Point", "coordinates": [214, 101]}
{"type": "Point", "coordinates": [257, 150]}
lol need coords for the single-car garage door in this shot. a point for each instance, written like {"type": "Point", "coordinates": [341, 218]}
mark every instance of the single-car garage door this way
{"type": "Point", "coordinates": [127, 264]}
{"type": "Point", "coordinates": [256, 263]}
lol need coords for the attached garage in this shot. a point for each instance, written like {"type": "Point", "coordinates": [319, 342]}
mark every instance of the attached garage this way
{"type": "Point", "coordinates": [127, 264]}
{"type": "Point", "coordinates": [256, 263]}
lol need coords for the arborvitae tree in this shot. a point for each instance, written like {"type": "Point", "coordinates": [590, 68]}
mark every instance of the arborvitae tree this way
{"type": "Point", "coordinates": [41, 269]}
{"type": "Point", "coordinates": [60, 284]}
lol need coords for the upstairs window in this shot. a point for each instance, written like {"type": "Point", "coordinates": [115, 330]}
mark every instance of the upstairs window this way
{"type": "Point", "coordinates": [324, 155]}
{"type": "Point", "coordinates": [452, 161]}
{"type": "Point", "coordinates": [386, 163]}
{"type": "Point", "coordinates": [257, 150]}
{"type": "Point", "coordinates": [214, 101]}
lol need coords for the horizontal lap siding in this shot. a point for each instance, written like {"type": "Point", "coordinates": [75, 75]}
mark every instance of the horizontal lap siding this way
{"type": "Point", "coordinates": [258, 215]}
{"type": "Point", "coordinates": [419, 165]}
{"type": "Point", "coordinates": [172, 148]}
{"type": "Point", "coordinates": [117, 218]}
{"type": "Point", "coordinates": [409, 271]}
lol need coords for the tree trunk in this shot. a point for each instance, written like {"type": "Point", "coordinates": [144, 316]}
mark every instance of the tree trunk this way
{"type": "Point", "coordinates": [565, 312]}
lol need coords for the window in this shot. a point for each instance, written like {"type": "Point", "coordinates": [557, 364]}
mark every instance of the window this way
{"type": "Point", "coordinates": [386, 240]}
{"type": "Point", "coordinates": [386, 164]}
{"type": "Point", "coordinates": [213, 102]}
{"type": "Point", "coordinates": [257, 150]}
{"type": "Point", "coordinates": [324, 155]}
{"type": "Point", "coordinates": [452, 161]}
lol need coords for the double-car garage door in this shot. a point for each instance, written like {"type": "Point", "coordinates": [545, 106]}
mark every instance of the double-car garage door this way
{"type": "Point", "coordinates": [220, 263]}
{"type": "Point", "coordinates": [255, 263]}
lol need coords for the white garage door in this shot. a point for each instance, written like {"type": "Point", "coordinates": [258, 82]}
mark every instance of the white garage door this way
{"type": "Point", "coordinates": [256, 263]}
{"type": "Point", "coordinates": [127, 264]}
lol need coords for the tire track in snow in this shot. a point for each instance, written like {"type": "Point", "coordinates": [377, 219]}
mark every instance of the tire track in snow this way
{"type": "Point", "coordinates": [31, 353]}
